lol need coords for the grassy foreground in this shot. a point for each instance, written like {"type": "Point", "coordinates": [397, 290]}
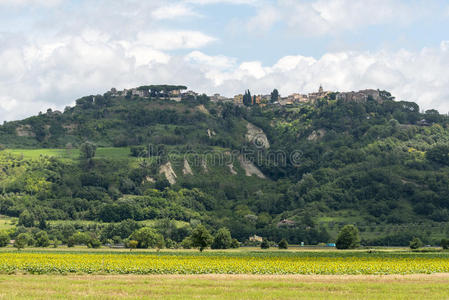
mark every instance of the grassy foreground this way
{"type": "Point", "coordinates": [434, 286]}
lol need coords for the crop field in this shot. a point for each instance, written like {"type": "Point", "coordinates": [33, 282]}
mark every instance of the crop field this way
{"type": "Point", "coordinates": [215, 262]}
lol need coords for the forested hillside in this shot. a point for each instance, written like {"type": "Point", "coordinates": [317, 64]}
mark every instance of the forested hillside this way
{"type": "Point", "coordinates": [299, 172]}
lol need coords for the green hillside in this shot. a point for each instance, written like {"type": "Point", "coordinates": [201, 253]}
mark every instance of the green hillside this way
{"type": "Point", "coordinates": [381, 165]}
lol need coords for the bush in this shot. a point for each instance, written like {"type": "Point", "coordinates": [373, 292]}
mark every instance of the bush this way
{"type": "Point", "coordinates": [348, 238]}
{"type": "Point", "coordinates": [186, 243]}
{"type": "Point", "coordinates": [132, 244]}
{"type": "Point", "coordinates": [235, 244]}
{"type": "Point", "coordinates": [138, 151]}
{"type": "Point", "coordinates": [87, 150]}
{"type": "Point", "coordinates": [147, 238]}
{"type": "Point", "coordinates": [26, 219]}
{"type": "Point", "coordinates": [445, 243]}
{"type": "Point", "coordinates": [21, 241]}
{"type": "Point", "coordinates": [94, 243]}
{"type": "Point", "coordinates": [170, 244]}
{"type": "Point", "coordinates": [42, 239]}
{"type": "Point", "coordinates": [201, 238]}
{"type": "Point", "coordinates": [56, 243]}
{"type": "Point", "coordinates": [265, 244]}
{"type": "Point", "coordinates": [415, 243]}
{"type": "Point", "coordinates": [222, 239]}
{"type": "Point", "coordinates": [283, 244]}
{"type": "Point", "coordinates": [4, 239]}
{"type": "Point", "coordinates": [79, 238]}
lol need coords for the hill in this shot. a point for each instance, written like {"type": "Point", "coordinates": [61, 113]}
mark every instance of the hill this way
{"type": "Point", "coordinates": [298, 171]}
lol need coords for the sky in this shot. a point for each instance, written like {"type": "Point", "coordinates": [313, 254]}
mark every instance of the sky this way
{"type": "Point", "coordinates": [53, 52]}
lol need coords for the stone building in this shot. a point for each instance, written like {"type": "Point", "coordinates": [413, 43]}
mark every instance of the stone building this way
{"type": "Point", "coordinates": [313, 97]}
{"type": "Point", "coordinates": [360, 96]}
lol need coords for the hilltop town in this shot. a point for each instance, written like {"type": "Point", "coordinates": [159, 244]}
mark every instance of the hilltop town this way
{"type": "Point", "coordinates": [178, 93]}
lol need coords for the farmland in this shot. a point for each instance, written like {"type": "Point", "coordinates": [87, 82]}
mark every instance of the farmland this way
{"type": "Point", "coordinates": [223, 262]}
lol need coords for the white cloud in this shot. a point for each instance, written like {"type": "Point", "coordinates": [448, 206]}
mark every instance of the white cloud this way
{"type": "Point", "coordinates": [170, 40]}
{"type": "Point", "coordinates": [47, 3]}
{"type": "Point", "coordinates": [220, 62]}
{"type": "Point", "coordinates": [265, 18]}
{"type": "Point", "coordinates": [54, 74]}
{"type": "Point", "coordinates": [8, 104]}
{"type": "Point", "coordinates": [320, 17]}
{"type": "Point", "coordinates": [288, 63]}
{"type": "Point", "coordinates": [236, 2]}
{"type": "Point", "coordinates": [173, 11]}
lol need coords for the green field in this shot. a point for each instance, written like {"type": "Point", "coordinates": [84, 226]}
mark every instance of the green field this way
{"type": "Point", "coordinates": [224, 287]}
{"type": "Point", "coordinates": [70, 154]}
{"type": "Point", "coordinates": [7, 223]}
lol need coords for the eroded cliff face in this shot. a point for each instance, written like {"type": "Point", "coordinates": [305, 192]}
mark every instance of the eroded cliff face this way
{"type": "Point", "coordinates": [250, 168]}
{"type": "Point", "coordinates": [168, 172]}
{"type": "Point", "coordinates": [187, 170]}
{"type": "Point", "coordinates": [256, 136]}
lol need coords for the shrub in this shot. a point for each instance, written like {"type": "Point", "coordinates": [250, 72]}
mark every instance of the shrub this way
{"type": "Point", "coordinates": [79, 238]}
{"type": "Point", "coordinates": [21, 241]}
{"type": "Point", "coordinates": [26, 219]}
{"type": "Point", "coordinates": [415, 243]}
{"type": "Point", "coordinates": [94, 243]}
{"type": "Point", "coordinates": [445, 243]}
{"type": "Point", "coordinates": [87, 150]}
{"type": "Point", "coordinates": [348, 238]}
{"type": "Point", "coordinates": [283, 244]}
{"type": "Point", "coordinates": [132, 244]}
{"type": "Point", "coordinates": [265, 244]}
{"type": "Point", "coordinates": [4, 239]}
{"type": "Point", "coordinates": [170, 244]}
{"type": "Point", "coordinates": [186, 243]}
{"type": "Point", "coordinates": [235, 244]}
{"type": "Point", "coordinates": [222, 239]}
{"type": "Point", "coordinates": [201, 238]}
{"type": "Point", "coordinates": [146, 238]}
{"type": "Point", "coordinates": [42, 239]}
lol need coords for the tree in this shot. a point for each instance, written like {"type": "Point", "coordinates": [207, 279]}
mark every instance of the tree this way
{"type": "Point", "coordinates": [4, 239]}
{"type": "Point", "coordinates": [26, 219]}
{"type": "Point", "coordinates": [42, 239]}
{"type": "Point", "coordinates": [21, 241]}
{"type": "Point", "coordinates": [222, 239]}
{"type": "Point", "coordinates": [283, 244]}
{"type": "Point", "coordinates": [265, 244]}
{"type": "Point", "coordinates": [274, 95]}
{"type": "Point", "coordinates": [79, 238]}
{"type": "Point", "coordinates": [42, 224]}
{"type": "Point", "coordinates": [235, 244]}
{"type": "Point", "coordinates": [201, 238]}
{"type": "Point", "coordinates": [87, 150]}
{"type": "Point", "coordinates": [146, 238]}
{"type": "Point", "coordinates": [445, 243]}
{"type": "Point", "coordinates": [132, 244]}
{"type": "Point", "coordinates": [94, 243]}
{"type": "Point", "coordinates": [348, 238]}
{"type": "Point", "coordinates": [247, 99]}
{"type": "Point", "coordinates": [439, 154]}
{"type": "Point", "coordinates": [186, 243]}
{"type": "Point", "coordinates": [415, 243]}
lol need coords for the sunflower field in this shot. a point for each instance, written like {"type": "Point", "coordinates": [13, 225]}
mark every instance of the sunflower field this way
{"type": "Point", "coordinates": [221, 263]}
